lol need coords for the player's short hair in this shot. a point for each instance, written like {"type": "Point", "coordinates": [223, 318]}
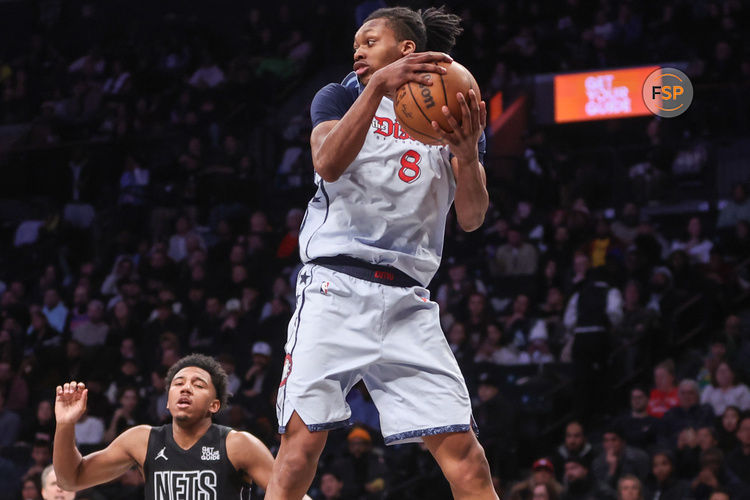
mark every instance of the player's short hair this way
{"type": "Point", "coordinates": [218, 376]}
{"type": "Point", "coordinates": [45, 474]}
{"type": "Point", "coordinates": [429, 29]}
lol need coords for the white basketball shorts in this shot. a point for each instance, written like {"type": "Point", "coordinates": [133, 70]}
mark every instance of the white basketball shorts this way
{"type": "Point", "coordinates": [346, 329]}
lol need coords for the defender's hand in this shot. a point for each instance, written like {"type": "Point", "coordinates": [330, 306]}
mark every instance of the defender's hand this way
{"type": "Point", "coordinates": [415, 67]}
{"type": "Point", "coordinates": [70, 402]}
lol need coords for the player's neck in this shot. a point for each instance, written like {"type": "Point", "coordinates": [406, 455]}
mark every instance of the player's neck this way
{"type": "Point", "coordinates": [186, 434]}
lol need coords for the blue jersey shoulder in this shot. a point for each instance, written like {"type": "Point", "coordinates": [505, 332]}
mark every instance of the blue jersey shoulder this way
{"type": "Point", "coordinates": [334, 100]}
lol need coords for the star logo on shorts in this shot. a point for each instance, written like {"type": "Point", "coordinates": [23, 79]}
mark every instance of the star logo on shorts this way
{"type": "Point", "coordinates": [304, 277]}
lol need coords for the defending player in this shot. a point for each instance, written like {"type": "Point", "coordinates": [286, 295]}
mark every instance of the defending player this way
{"type": "Point", "coordinates": [190, 458]}
{"type": "Point", "coordinates": [371, 241]}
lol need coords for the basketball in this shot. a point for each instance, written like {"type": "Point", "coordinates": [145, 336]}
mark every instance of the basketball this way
{"type": "Point", "coordinates": [416, 105]}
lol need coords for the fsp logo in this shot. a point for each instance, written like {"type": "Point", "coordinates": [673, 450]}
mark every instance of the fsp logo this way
{"type": "Point", "coordinates": [667, 92]}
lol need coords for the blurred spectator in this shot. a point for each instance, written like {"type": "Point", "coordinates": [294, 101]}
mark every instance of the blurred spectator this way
{"type": "Point", "coordinates": [331, 486]}
{"type": "Point", "coordinates": [664, 394]}
{"type": "Point", "coordinates": [31, 489]}
{"type": "Point", "coordinates": [42, 426]}
{"type": "Point", "coordinates": [10, 422]}
{"type": "Point", "coordinates": [542, 474]}
{"type": "Point", "coordinates": [50, 489]}
{"type": "Point", "coordinates": [617, 459]}
{"type": "Point", "coordinates": [737, 209]}
{"type": "Point", "coordinates": [664, 483]}
{"type": "Point", "coordinates": [575, 445]}
{"type": "Point", "coordinates": [629, 487]}
{"type": "Point", "coordinates": [14, 388]}
{"type": "Point", "coordinates": [258, 381]}
{"type": "Point", "coordinates": [589, 316]}
{"type": "Point", "coordinates": [694, 243]}
{"type": "Point", "coordinates": [89, 431]}
{"type": "Point", "coordinates": [125, 416]}
{"type": "Point", "coordinates": [580, 484]}
{"type": "Point", "coordinates": [498, 420]}
{"type": "Point", "coordinates": [727, 430]}
{"type": "Point", "coordinates": [638, 427]}
{"type": "Point", "coordinates": [545, 491]}
{"type": "Point", "coordinates": [362, 471]}
{"type": "Point", "coordinates": [689, 414]}
{"type": "Point", "coordinates": [713, 475]}
{"type": "Point", "coordinates": [92, 332]}
{"type": "Point", "coordinates": [515, 258]}
{"type": "Point", "coordinates": [738, 460]}
{"type": "Point", "coordinates": [55, 310]}
{"type": "Point", "coordinates": [725, 390]}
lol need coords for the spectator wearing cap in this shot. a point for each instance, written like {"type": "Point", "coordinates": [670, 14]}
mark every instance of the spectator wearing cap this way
{"type": "Point", "coordinates": [542, 472]}
{"type": "Point", "coordinates": [638, 427]}
{"type": "Point", "coordinates": [580, 484]}
{"type": "Point", "coordinates": [497, 420]}
{"type": "Point", "coordinates": [575, 445]}
{"type": "Point", "coordinates": [538, 351]}
{"type": "Point", "coordinates": [258, 382]}
{"type": "Point", "coordinates": [617, 459]}
{"type": "Point", "coordinates": [363, 472]}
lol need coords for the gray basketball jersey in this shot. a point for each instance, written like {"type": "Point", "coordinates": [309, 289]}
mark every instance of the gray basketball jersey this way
{"type": "Point", "coordinates": [390, 205]}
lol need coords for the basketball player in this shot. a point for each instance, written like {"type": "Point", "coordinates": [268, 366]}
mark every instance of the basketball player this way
{"type": "Point", "coordinates": [371, 241]}
{"type": "Point", "coordinates": [190, 458]}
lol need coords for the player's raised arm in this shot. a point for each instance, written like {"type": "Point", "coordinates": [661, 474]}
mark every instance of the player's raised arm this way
{"type": "Point", "coordinates": [249, 455]}
{"type": "Point", "coordinates": [75, 472]}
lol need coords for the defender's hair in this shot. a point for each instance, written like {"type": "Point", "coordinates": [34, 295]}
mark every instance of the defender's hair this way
{"type": "Point", "coordinates": [429, 29]}
{"type": "Point", "coordinates": [218, 375]}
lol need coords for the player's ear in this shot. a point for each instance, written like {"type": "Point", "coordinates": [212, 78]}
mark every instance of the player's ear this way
{"type": "Point", "coordinates": [407, 47]}
{"type": "Point", "coordinates": [215, 406]}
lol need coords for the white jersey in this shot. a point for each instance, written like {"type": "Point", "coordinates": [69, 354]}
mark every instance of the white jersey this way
{"type": "Point", "coordinates": [389, 207]}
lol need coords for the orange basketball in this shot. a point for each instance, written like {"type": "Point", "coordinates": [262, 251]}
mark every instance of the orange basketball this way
{"type": "Point", "coordinates": [416, 105]}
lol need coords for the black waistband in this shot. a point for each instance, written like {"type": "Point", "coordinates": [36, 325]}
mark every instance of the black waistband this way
{"type": "Point", "coordinates": [356, 268]}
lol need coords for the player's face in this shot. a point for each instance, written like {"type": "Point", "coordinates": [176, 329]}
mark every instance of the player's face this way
{"type": "Point", "coordinates": [192, 396]}
{"type": "Point", "coordinates": [51, 491]}
{"type": "Point", "coordinates": [375, 46]}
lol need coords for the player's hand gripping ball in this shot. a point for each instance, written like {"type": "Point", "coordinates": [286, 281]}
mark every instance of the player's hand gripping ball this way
{"type": "Point", "coordinates": [417, 105]}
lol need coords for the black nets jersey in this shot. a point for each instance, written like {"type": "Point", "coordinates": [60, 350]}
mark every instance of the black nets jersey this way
{"type": "Point", "coordinates": [202, 472]}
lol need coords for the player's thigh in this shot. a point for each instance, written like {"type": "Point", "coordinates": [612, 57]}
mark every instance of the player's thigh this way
{"type": "Point", "coordinates": [329, 345]}
{"type": "Point", "coordinates": [417, 385]}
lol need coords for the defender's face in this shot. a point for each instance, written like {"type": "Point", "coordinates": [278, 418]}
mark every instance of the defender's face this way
{"type": "Point", "coordinates": [375, 47]}
{"type": "Point", "coordinates": [192, 395]}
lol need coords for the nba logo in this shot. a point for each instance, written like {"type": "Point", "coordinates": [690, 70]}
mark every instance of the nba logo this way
{"type": "Point", "coordinates": [324, 287]}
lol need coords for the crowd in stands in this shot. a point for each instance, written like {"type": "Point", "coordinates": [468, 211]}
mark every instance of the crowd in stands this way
{"type": "Point", "coordinates": [151, 207]}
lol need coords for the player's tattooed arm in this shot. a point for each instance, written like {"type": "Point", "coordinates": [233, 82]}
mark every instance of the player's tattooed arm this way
{"type": "Point", "coordinates": [75, 472]}
{"type": "Point", "coordinates": [250, 456]}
